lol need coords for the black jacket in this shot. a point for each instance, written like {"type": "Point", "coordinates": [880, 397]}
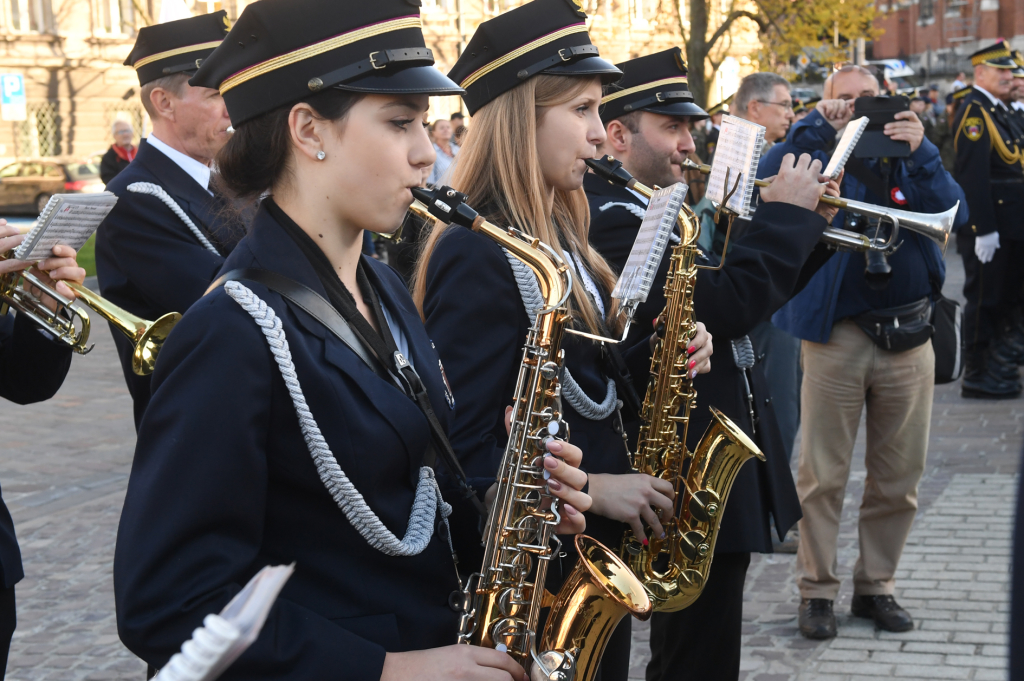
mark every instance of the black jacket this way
{"type": "Point", "coordinates": [989, 167]}
{"type": "Point", "coordinates": [475, 315]}
{"type": "Point", "coordinates": [111, 165]}
{"type": "Point", "coordinates": [223, 484]}
{"type": "Point", "coordinates": [147, 259]}
{"type": "Point", "coordinates": [32, 369]}
{"type": "Point", "coordinates": [765, 267]}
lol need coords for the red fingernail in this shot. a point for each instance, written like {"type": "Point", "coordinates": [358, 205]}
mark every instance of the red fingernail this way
{"type": "Point", "coordinates": [693, 363]}
{"type": "Point", "coordinates": [644, 541]}
{"type": "Point", "coordinates": [692, 349]}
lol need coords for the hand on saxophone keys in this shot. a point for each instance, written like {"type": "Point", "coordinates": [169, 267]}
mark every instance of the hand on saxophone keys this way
{"type": "Point", "coordinates": [565, 481]}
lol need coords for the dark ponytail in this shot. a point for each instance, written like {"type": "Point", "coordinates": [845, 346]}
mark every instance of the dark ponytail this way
{"type": "Point", "coordinates": [259, 152]}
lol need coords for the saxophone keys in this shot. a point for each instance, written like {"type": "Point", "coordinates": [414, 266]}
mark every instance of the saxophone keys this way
{"type": "Point", "coordinates": [694, 546]}
{"type": "Point", "coordinates": [705, 505]}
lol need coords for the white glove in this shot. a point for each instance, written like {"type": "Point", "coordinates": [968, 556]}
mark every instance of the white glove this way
{"type": "Point", "coordinates": [985, 246]}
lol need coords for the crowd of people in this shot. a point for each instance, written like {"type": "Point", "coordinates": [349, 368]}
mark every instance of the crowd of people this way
{"type": "Point", "coordinates": [249, 208]}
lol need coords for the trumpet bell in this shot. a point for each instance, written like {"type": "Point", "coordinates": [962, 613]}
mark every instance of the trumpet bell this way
{"type": "Point", "coordinates": [935, 226]}
{"type": "Point", "coordinates": [150, 339]}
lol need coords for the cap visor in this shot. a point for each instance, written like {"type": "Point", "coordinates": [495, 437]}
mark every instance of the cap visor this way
{"type": "Point", "coordinates": [678, 109]}
{"type": "Point", "coordinates": [591, 66]}
{"type": "Point", "coordinates": [413, 80]}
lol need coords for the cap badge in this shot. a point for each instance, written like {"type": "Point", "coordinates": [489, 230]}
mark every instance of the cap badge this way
{"type": "Point", "coordinates": [227, 23]}
{"type": "Point", "coordinates": [679, 60]}
{"type": "Point", "coordinates": [315, 84]}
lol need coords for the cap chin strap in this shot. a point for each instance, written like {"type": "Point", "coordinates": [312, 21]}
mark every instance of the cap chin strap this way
{"type": "Point", "coordinates": [564, 55]}
{"type": "Point", "coordinates": [660, 98]}
{"type": "Point", "coordinates": [377, 61]}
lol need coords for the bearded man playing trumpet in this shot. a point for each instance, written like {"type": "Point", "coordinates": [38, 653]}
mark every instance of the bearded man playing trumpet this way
{"type": "Point", "coordinates": [893, 374]}
{"type": "Point", "coordinates": [648, 117]}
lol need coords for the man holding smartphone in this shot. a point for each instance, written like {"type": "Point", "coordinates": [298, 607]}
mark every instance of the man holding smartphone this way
{"type": "Point", "coordinates": [846, 369]}
{"type": "Point", "coordinates": [988, 166]}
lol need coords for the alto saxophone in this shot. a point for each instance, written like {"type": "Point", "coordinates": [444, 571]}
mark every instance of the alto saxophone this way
{"type": "Point", "coordinates": [502, 603]}
{"type": "Point", "coordinates": [675, 569]}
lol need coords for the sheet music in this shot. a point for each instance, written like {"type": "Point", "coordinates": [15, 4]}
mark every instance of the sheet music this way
{"type": "Point", "coordinates": [68, 219]}
{"type": "Point", "coordinates": [847, 143]}
{"type": "Point", "coordinates": [637, 276]}
{"type": "Point", "coordinates": [738, 152]}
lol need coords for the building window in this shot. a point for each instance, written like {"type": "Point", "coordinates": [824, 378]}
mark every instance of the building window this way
{"type": "Point", "coordinates": [926, 12]}
{"type": "Point", "coordinates": [31, 16]}
{"type": "Point", "coordinates": [39, 134]}
{"type": "Point", "coordinates": [117, 17]}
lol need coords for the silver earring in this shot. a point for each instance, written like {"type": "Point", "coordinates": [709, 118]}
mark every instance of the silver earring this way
{"type": "Point", "coordinates": [321, 155]}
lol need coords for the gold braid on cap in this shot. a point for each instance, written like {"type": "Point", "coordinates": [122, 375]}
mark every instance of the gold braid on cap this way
{"type": "Point", "coordinates": [645, 86]}
{"type": "Point", "coordinates": [528, 47]}
{"type": "Point", "coordinates": [303, 53]}
{"type": "Point", "coordinates": [175, 52]}
{"type": "Point", "coordinates": [995, 53]}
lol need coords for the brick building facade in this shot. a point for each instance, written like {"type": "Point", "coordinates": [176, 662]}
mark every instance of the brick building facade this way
{"type": "Point", "coordinates": [936, 36]}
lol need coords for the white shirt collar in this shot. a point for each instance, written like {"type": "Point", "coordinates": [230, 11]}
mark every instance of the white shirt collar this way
{"type": "Point", "coordinates": [991, 97]}
{"type": "Point", "coordinates": [196, 170]}
{"type": "Point", "coordinates": [1019, 106]}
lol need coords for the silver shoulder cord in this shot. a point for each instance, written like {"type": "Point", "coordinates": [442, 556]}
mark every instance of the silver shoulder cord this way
{"type": "Point", "coordinates": [428, 501]}
{"type": "Point", "coordinates": [529, 290]}
{"type": "Point", "coordinates": [158, 191]}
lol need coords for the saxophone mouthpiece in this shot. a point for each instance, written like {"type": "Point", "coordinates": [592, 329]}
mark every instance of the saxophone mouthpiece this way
{"type": "Point", "coordinates": [447, 205]}
{"type": "Point", "coordinates": [610, 169]}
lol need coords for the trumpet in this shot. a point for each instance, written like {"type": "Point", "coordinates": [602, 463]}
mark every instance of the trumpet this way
{"type": "Point", "coordinates": [935, 226]}
{"type": "Point", "coordinates": [70, 324]}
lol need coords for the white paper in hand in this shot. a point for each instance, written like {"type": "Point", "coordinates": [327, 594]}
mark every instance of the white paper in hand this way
{"type": "Point", "coordinates": [737, 155]}
{"type": "Point", "coordinates": [847, 143]}
{"type": "Point", "coordinates": [225, 637]}
{"type": "Point", "coordinates": [637, 276]}
{"type": "Point", "coordinates": [68, 219]}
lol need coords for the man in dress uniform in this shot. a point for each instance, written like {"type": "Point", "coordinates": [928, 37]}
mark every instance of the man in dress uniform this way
{"type": "Point", "coordinates": [33, 365]}
{"type": "Point", "coordinates": [167, 237]}
{"type": "Point", "coordinates": [647, 116]}
{"type": "Point", "coordinates": [715, 114]}
{"type": "Point", "coordinates": [988, 167]}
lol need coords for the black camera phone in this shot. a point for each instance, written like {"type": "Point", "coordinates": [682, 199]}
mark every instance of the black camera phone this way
{"type": "Point", "coordinates": [874, 143]}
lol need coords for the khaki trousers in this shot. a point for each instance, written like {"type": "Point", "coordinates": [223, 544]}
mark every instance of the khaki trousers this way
{"type": "Point", "coordinates": [840, 378]}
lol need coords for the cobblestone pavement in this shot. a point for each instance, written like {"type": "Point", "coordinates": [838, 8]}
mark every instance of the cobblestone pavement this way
{"type": "Point", "coordinates": [65, 464]}
{"type": "Point", "coordinates": [954, 574]}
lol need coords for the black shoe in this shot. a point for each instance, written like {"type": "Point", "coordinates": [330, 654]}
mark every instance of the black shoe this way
{"type": "Point", "coordinates": [981, 382]}
{"type": "Point", "coordinates": [817, 621]}
{"type": "Point", "coordinates": [1003, 361]}
{"type": "Point", "coordinates": [884, 610]}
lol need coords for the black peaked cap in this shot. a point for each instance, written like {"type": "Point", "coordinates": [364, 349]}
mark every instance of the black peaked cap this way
{"type": "Point", "coordinates": [543, 36]}
{"type": "Point", "coordinates": [655, 83]}
{"type": "Point", "coordinates": [282, 51]}
{"type": "Point", "coordinates": [997, 55]}
{"type": "Point", "coordinates": [177, 46]}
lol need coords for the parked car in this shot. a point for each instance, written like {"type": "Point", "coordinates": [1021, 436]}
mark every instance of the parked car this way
{"type": "Point", "coordinates": [897, 76]}
{"type": "Point", "coordinates": [803, 93]}
{"type": "Point", "coordinates": [26, 186]}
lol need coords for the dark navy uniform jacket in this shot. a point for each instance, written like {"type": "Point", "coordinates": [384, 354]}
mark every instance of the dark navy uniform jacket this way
{"type": "Point", "coordinates": [147, 260]}
{"type": "Point", "coordinates": [776, 255]}
{"type": "Point", "coordinates": [223, 484]}
{"type": "Point", "coordinates": [989, 167]}
{"type": "Point", "coordinates": [32, 369]}
{"type": "Point", "coordinates": [475, 314]}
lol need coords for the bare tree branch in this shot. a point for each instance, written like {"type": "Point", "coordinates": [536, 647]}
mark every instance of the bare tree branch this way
{"type": "Point", "coordinates": [731, 19]}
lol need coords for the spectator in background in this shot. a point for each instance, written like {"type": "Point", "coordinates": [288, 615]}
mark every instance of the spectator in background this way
{"type": "Point", "coordinates": [937, 107]}
{"type": "Point", "coordinates": [764, 98]}
{"type": "Point", "coordinates": [446, 151]}
{"type": "Point", "coordinates": [120, 153]}
{"type": "Point", "coordinates": [458, 119]}
{"type": "Point", "coordinates": [960, 83]}
{"type": "Point", "coordinates": [847, 371]}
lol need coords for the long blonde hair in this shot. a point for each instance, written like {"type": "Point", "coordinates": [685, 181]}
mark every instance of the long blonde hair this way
{"type": "Point", "coordinates": [499, 169]}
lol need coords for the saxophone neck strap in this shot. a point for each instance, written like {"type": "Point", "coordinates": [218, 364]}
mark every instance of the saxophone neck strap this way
{"type": "Point", "coordinates": [358, 339]}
